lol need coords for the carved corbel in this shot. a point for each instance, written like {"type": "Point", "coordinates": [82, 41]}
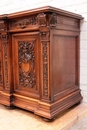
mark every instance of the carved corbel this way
{"type": "Point", "coordinates": [52, 19]}
{"type": "Point", "coordinates": [42, 19]}
{"type": "Point", "coordinates": [49, 19]}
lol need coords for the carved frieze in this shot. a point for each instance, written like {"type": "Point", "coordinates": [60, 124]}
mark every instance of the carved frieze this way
{"type": "Point", "coordinates": [23, 23]}
{"type": "Point", "coordinates": [26, 63]}
{"type": "Point", "coordinates": [42, 19]}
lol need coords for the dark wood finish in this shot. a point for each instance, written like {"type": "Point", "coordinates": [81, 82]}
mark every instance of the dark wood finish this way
{"type": "Point", "coordinates": [39, 60]}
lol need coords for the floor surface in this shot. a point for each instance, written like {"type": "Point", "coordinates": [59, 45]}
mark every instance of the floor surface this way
{"type": "Point", "coordinates": [18, 119]}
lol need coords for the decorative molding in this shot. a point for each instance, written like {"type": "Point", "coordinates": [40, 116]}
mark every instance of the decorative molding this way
{"type": "Point", "coordinates": [26, 58]}
{"type": "Point", "coordinates": [23, 23]}
{"type": "Point", "coordinates": [45, 36]}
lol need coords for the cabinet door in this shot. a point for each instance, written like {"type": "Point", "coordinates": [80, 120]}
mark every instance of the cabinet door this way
{"type": "Point", "coordinates": [1, 67]}
{"type": "Point", "coordinates": [26, 49]}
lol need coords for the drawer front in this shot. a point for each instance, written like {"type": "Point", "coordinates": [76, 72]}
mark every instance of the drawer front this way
{"type": "Point", "coordinates": [25, 48]}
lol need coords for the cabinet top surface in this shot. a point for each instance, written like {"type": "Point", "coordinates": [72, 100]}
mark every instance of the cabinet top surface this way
{"type": "Point", "coordinates": [41, 10]}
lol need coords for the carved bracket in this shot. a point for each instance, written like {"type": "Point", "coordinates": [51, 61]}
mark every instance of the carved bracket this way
{"type": "Point", "coordinates": [49, 19]}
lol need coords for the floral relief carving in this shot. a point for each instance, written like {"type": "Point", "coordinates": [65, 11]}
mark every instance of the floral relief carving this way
{"type": "Point", "coordinates": [42, 19]}
{"type": "Point", "coordinates": [26, 64]}
{"type": "Point", "coordinates": [23, 23]}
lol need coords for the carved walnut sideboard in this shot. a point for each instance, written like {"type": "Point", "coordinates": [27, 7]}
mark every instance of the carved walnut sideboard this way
{"type": "Point", "coordinates": [39, 60]}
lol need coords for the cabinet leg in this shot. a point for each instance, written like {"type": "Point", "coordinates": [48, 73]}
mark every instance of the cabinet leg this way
{"type": "Point", "coordinates": [48, 120]}
{"type": "Point", "coordinates": [10, 107]}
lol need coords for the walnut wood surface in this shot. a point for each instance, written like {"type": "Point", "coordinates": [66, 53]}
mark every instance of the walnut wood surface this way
{"type": "Point", "coordinates": [39, 60]}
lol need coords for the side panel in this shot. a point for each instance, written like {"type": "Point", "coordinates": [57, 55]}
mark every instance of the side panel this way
{"type": "Point", "coordinates": [64, 61]}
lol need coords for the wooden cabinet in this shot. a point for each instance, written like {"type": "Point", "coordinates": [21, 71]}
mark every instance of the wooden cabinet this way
{"type": "Point", "coordinates": [39, 60]}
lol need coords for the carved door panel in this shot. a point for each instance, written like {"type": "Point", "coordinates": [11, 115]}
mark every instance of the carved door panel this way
{"type": "Point", "coordinates": [26, 63]}
{"type": "Point", "coordinates": [1, 67]}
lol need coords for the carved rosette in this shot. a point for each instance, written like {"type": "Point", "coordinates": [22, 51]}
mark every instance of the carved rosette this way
{"type": "Point", "coordinates": [45, 49]}
{"type": "Point", "coordinates": [5, 45]}
{"type": "Point", "coordinates": [26, 64]}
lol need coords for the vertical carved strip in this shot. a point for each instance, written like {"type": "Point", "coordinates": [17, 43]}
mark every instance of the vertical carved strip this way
{"type": "Point", "coordinates": [45, 68]}
{"type": "Point", "coordinates": [0, 73]}
{"type": "Point", "coordinates": [5, 47]}
{"type": "Point", "coordinates": [45, 49]}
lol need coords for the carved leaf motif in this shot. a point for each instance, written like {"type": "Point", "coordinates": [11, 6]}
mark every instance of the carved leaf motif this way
{"type": "Point", "coordinates": [26, 64]}
{"type": "Point", "coordinates": [24, 22]}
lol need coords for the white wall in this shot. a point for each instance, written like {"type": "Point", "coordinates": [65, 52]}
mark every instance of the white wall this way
{"type": "Point", "coordinates": [76, 6]}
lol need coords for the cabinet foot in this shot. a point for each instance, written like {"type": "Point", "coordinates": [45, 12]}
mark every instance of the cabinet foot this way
{"type": "Point", "coordinates": [10, 107]}
{"type": "Point", "coordinates": [48, 120]}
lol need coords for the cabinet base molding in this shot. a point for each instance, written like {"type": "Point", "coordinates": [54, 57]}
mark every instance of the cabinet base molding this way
{"type": "Point", "coordinates": [47, 110]}
{"type": "Point", "coordinates": [5, 98]}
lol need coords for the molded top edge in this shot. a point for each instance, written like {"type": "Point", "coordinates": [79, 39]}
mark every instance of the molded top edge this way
{"type": "Point", "coordinates": [39, 10]}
